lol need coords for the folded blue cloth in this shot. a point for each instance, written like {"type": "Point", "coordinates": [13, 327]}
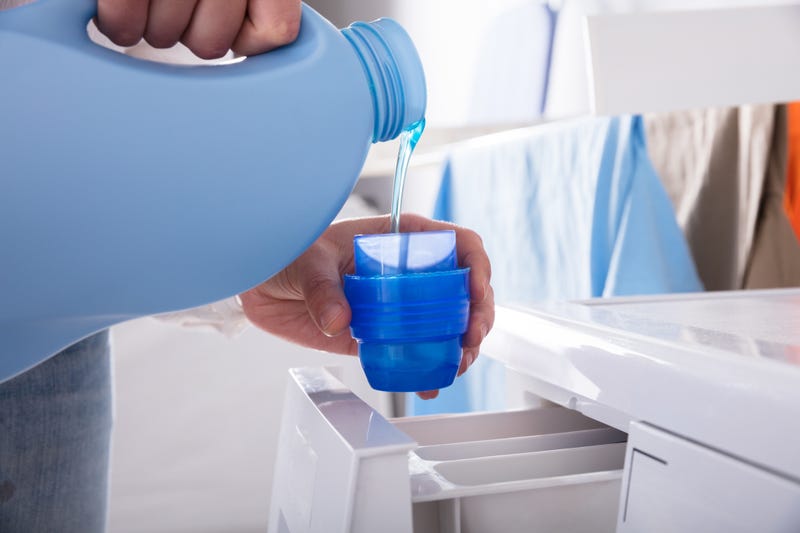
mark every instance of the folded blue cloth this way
{"type": "Point", "coordinates": [568, 210]}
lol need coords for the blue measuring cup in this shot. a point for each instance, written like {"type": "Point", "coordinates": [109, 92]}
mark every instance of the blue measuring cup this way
{"type": "Point", "coordinates": [410, 307]}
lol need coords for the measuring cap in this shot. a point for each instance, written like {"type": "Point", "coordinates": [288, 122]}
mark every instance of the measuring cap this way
{"type": "Point", "coordinates": [410, 307]}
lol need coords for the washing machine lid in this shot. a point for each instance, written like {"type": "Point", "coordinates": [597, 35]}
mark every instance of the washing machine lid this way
{"type": "Point", "coordinates": [722, 369]}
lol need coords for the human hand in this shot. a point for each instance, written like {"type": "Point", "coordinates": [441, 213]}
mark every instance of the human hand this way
{"type": "Point", "coordinates": [209, 28]}
{"type": "Point", "coordinates": [305, 302]}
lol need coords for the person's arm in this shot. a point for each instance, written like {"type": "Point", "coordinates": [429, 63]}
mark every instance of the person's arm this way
{"type": "Point", "coordinates": [8, 4]}
{"type": "Point", "coordinates": [209, 28]}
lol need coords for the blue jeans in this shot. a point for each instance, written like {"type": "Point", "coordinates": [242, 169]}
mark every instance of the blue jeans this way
{"type": "Point", "coordinates": [55, 430]}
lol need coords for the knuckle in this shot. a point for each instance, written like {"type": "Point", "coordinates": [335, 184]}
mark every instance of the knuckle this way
{"type": "Point", "coordinates": [285, 31]}
{"type": "Point", "coordinates": [473, 258]}
{"type": "Point", "coordinates": [121, 21]}
{"type": "Point", "coordinates": [209, 49]}
{"type": "Point", "coordinates": [473, 235]}
{"type": "Point", "coordinates": [416, 218]}
{"type": "Point", "coordinates": [123, 36]}
{"type": "Point", "coordinates": [268, 36]}
{"type": "Point", "coordinates": [161, 40]}
{"type": "Point", "coordinates": [316, 285]}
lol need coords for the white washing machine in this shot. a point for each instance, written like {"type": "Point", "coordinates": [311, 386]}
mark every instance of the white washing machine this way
{"type": "Point", "coordinates": [668, 414]}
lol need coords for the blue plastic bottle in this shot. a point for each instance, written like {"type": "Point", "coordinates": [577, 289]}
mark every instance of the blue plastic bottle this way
{"type": "Point", "coordinates": [130, 188]}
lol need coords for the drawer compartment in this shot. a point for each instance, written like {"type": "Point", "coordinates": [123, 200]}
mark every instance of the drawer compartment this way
{"type": "Point", "coordinates": [465, 436]}
{"type": "Point", "coordinates": [533, 466]}
{"type": "Point", "coordinates": [565, 490]}
{"type": "Point", "coordinates": [544, 469]}
{"type": "Point", "coordinates": [516, 445]}
{"type": "Point", "coordinates": [447, 429]}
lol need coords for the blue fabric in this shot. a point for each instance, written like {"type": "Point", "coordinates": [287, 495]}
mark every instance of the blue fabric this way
{"type": "Point", "coordinates": [567, 211]}
{"type": "Point", "coordinates": [55, 431]}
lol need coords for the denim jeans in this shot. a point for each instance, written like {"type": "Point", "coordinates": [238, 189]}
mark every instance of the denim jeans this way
{"type": "Point", "coordinates": [55, 430]}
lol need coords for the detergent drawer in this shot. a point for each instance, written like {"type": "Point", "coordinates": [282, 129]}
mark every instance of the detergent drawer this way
{"type": "Point", "coordinates": [674, 485]}
{"type": "Point", "coordinates": [341, 466]}
{"type": "Point", "coordinates": [540, 469]}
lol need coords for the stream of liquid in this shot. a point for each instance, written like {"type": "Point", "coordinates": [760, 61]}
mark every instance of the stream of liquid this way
{"type": "Point", "coordinates": [408, 141]}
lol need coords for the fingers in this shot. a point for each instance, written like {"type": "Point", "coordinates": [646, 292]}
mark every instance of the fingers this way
{"type": "Point", "coordinates": [471, 253]}
{"type": "Point", "coordinates": [269, 24]}
{"type": "Point", "coordinates": [467, 358]}
{"type": "Point", "coordinates": [167, 20]}
{"type": "Point", "coordinates": [209, 28]}
{"type": "Point", "coordinates": [469, 247]}
{"type": "Point", "coordinates": [317, 276]}
{"type": "Point", "coordinates": [428, 394]}
{"type": "Point", "coordinates": [122, 21]}
{"type": "Point", "coordinates": [481, 320]}
{"type": "Point", "coordinates": [214, 26]}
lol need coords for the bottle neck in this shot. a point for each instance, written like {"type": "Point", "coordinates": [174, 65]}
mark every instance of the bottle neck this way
{"type": "Point", "coordinates": [394, 74]}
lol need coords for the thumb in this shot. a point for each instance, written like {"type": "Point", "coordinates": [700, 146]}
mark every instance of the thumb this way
{"type": "Point", "coordinates": [321, 285]}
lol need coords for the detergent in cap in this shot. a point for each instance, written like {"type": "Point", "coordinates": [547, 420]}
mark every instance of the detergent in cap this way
{"type": "Point", "coordinates": [410, 307]}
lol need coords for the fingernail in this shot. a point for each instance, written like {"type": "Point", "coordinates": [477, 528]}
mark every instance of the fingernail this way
{"type": "Point", "coordinates": [466, 360]}
{"type": "Point", "coordinates": [484, 331]}
{"type": "Point", "coordinates": [329, 316]}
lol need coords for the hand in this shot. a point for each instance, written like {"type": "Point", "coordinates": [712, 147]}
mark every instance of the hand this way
{"type": "Point", "coordinates": [209, 28]}
{"type": "Point", "coordinates": [305, 303]}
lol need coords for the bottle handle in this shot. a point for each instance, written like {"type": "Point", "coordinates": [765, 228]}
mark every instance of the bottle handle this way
{"type": "Point", "coordinates": [64, 22]}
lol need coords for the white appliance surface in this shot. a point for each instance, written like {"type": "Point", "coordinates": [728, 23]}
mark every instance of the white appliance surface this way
{"type": "Point", "coordinates": [760, 324]}
{"type": "Point", "coordinates": [722, 369]}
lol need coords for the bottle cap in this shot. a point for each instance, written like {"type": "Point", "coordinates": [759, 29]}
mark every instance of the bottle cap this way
{"type": "Point", "coordinates": [394, 72]}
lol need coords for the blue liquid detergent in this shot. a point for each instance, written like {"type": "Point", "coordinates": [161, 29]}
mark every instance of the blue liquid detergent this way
{"type": "Point", "coordinates": [409, 299]}
{"type": "Point", "coordinates": [408, 141]}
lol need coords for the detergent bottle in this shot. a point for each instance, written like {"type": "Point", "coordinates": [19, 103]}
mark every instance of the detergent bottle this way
{"type": "Point", "coordinates": [129, 188]}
